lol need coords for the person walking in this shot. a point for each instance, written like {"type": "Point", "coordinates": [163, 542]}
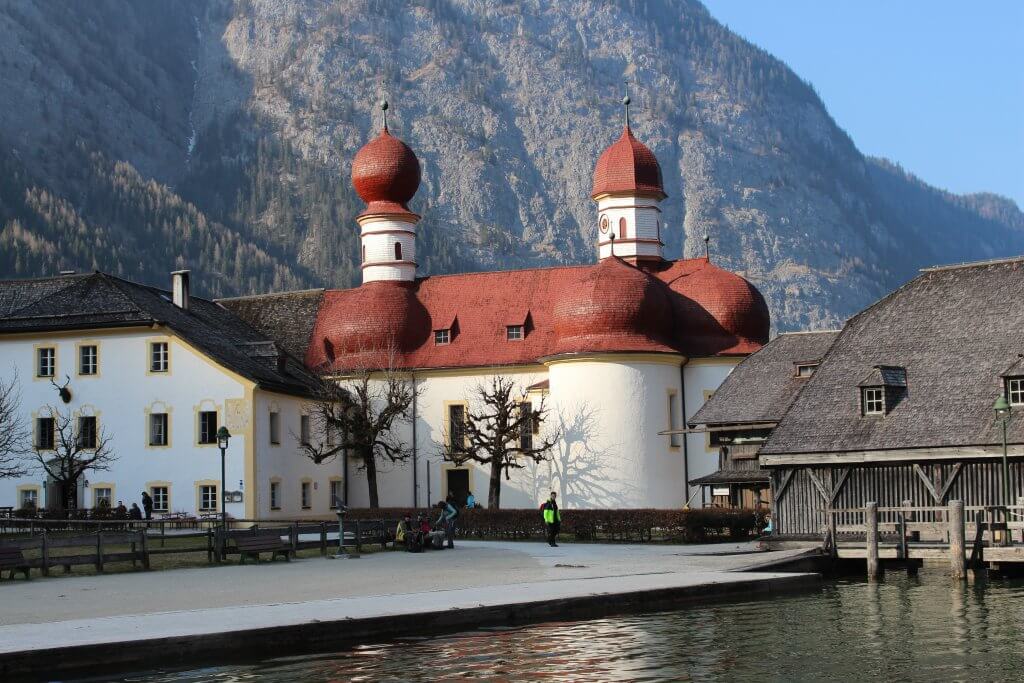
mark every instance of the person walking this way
{"type": "Point", "coordinates": [552, 518]}
{"type": "Point", "coordinates": [448, 515]}
{"type": "Point", "coordinates": [147, 505]}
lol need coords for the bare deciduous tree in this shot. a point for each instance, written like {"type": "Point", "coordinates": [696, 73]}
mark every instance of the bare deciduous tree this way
{"type": "Point", "coordinates": [14, 435]}
{"type": "Point", "coordinates": [359, 415]}
{"type": "Point", "coordinates": [77, 449]}
{"type": "Point", "coordinates": [501, 430]}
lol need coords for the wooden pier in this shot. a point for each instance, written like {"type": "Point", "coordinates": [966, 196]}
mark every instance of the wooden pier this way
{"type": "Point", "coordinates": [975, 538]}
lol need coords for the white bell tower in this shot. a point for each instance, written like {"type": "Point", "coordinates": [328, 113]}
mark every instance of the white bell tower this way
{"type": "Point", "coordinates": [628, 191]}
{"type": "Point", "coordinates": [386, 175]}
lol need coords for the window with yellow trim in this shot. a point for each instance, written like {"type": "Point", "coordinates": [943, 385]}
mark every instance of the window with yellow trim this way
{"type": "Point", "coordinates": [46, 361]}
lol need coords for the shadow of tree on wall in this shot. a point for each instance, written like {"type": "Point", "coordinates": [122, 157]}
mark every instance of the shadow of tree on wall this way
{"type": "Point", "coordinates": [582, 466]}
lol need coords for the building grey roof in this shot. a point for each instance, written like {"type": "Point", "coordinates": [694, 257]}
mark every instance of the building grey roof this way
{"type": "Point", "coordinates": [99, 300]}
{"type": "Point", "coordinates": [763, 385]}
{"type": "Point", "coordinates": [288, 317]}
{"type": "Point", "coordinates": [955, 331]}
{"type": "Point", "coordinates": [733, 477]}
{"type": "Point", "coordinates": [885, 376]}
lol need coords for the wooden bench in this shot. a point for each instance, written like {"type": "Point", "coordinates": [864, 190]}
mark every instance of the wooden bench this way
{"type": "Point", "coordinates": [13, 559]}
{"type": "Point", "coordinates": [251, 545]}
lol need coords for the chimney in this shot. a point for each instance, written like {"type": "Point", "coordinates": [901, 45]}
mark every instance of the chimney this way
{"type": "Point", "coordinates": [180, 288]}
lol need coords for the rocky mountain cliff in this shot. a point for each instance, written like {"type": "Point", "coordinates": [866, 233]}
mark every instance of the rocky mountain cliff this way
{"type": "Point", "coordinates": [139, 137]}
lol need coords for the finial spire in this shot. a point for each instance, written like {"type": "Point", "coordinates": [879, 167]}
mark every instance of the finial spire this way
{"type": "Point", "coordinates": [707, 249]}
{"type": "Point", "coordinates": [384, 113]}
{"type": "Point", "coordinates": [625, 100]}
{"type": "Point", "coordinates": [611, 236]}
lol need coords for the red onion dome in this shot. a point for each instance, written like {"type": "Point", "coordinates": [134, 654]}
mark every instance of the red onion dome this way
{"type": "Point", "coordinates": [628, 166]}
{"type": "Point", "coordinates": [360, 327]}
{"type": "Point", "coordinates": [386, 174]}
{"type": "Point", "coordinates": [722, 311]}
{"type": "Point", "coordinates": [612, 307]}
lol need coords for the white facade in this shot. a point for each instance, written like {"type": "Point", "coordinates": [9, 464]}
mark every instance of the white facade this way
{"type": "Point", "coordinates": [636, 223]}
{"type": "Point", "coordinates": [125, 392]}
{"type": "Point", "coordinates": [608, 409]}
{"type": "Point", "coordinates": [388, 247]}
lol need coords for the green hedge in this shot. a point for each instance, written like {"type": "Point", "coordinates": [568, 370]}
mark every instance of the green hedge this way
{"type": "Point", "coordinates": [644, 526]}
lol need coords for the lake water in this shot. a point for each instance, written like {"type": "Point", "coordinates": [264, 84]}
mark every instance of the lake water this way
{"type": "Point", "coordinates": [906, 629]}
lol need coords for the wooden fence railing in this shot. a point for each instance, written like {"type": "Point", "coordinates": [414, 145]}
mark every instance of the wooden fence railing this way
{"type": "Point", "coordinates": [90, 542]}
{"type": "Point", "coordinates": [927, 532]}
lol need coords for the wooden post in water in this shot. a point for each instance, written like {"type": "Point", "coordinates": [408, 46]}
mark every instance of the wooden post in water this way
{"type": "Point", "coordinates": [957, 563]}
{"type": "Point", "coordinates": [871, 538]}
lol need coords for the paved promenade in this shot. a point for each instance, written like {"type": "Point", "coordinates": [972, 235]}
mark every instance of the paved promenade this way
{"type": "Point", "coordinates": [491, 578]}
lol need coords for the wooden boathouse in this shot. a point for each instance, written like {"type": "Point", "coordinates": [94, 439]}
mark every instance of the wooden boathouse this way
{"type": "Point", "coordinates": [908, 409]}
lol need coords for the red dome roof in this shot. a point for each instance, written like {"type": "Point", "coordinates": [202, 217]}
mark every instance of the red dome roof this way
{"type": "Point", "coordinates": [386, 174]}
{"type": "Point", "coordinates": [389, 317]}
{"type": "Point", "coordinates": [612, 306]}
{"type": "Point", "coordinates": [723, 311]}
{"type": "Point", "coordinates": [628, 166]}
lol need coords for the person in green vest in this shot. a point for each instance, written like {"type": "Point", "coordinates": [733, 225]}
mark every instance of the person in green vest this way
{"type": "Point", "coordinates": [552, 518]}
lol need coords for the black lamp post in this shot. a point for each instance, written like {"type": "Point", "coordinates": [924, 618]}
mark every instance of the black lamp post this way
{"type": "Point", "coordinates": [1002, 410]}
{"type": "Point", "coordinates": [223, 435]}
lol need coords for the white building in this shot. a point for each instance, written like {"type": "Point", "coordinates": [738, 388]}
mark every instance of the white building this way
{"type": "Point", "coordinates": [620, 351]}
{"type": "Point", "coordinates": [158, 373]}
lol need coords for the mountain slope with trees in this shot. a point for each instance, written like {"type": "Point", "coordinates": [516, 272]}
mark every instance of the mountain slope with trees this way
{"type": "Point", "coordinates": [146, 136]}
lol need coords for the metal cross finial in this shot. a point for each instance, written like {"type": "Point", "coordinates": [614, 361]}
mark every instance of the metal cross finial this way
{"type": "Point", "coordinates": [384, 113]}
{"type": "Point", "coordinates": [707, 250]}
{"type": "Point", "coordinates": [625, 100]}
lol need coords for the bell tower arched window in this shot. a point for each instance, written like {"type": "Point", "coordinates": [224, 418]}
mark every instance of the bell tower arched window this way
{"type": "Point", "coordinates": [398, 251]}
{"type": "Point", "coordinates": [622, 228]}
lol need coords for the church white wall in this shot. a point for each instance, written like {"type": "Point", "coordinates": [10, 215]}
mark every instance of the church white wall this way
{"type": "Point", "coordinates": [121, 396]}
{"type": "Point", "coordinates": [438, 391]}
{"type": "Point", "coordinates": [703, 376]}
{"type": "Point", "coordinates": [612, 455]}
{"type": "Point", "coordinates": [609, 412]}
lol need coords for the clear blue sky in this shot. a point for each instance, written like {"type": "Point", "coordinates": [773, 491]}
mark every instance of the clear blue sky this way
{"type": "Point", "coordinates": [936, 85]}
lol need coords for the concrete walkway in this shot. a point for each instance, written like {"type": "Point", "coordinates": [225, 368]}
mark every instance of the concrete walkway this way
{"type": "Point", "coordinates": [385, 592]}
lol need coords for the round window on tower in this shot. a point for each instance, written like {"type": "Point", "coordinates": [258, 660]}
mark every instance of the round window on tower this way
{"type": "Point", "coordinates": [604, 224]}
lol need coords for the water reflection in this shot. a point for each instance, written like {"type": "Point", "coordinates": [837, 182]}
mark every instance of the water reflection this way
{"type": "Point", "coordinates": [907, 629]}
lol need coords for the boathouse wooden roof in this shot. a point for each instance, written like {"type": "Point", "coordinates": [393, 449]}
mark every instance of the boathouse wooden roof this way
{"type": "Point", "coordinates": [953, 332]}
{"type": "Point", "coordinates": [761, 387]}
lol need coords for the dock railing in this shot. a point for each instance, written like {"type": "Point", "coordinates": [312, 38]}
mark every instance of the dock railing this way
{"type": "Point", "coordinates": [909, 533]}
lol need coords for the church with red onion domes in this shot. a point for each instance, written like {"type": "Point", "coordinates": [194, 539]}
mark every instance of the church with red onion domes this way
{"type": "Point", "coordinates": [623, 351]}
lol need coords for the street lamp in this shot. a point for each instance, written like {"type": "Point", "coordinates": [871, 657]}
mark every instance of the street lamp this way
{"type": "Point", "coordinates": [223, 435]}
{"type": "Point", "coordinates": [1002, 410]}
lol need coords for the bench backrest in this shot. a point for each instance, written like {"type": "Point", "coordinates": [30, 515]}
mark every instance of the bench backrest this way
{"type": "Point", "coordinates": [10, 555]}
{"type": "Point", "coordinates": [258, 541]}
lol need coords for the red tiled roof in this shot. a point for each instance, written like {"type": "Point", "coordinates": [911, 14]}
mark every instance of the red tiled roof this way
{"type": "Point", "coordinates": [628, 166]}
{"type": "Point", "coordinates": [613, 306]}
{"type": "Point", "coordinates": [718, 305]}
{"type": "Point", "coordinates": [386, 174]}
{"type": "Point", "coordinates": [608, 307]}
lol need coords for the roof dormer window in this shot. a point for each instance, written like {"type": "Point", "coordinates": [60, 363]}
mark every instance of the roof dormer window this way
{"type": "Point", "coordinates": [1015, 390]}
{"type": "Point", "coordinates": [873, 401]}
{"type": "Point", "coordinates": [805, 369]}
{"type": "Point", "coordinates": [442, 337]}
{"type": "Point", "coordinates": [882, 390]}
{"type": "Point", "coordinates": [514, 332]}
